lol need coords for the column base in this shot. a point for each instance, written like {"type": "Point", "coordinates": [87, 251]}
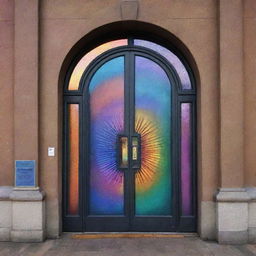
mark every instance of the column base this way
{"type": "Point", "coordinates": [252, 215]}
{"type": "Point", "coordinates": [233, 237]}
{"type": "Point", "coordinates": [207, 224]}
{"type": "Point", "coordinates": [28, 216]}
{"type": "Point", "coordinates": [5, 213]}
{"type": "Point", "coordinates": [232, 216]}
{"type": "Point", "coordinates": [27, 236]}
{"type": "Point", "coordinates": [252, 235]}
{"type": "Point", "coordinates": [5, 234]}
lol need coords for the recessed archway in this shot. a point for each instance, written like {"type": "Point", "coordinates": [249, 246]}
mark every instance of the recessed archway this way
{"type": "Point", "coordinates": [184, 100]}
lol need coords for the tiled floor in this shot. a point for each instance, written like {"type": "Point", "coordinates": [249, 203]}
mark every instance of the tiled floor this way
{"type": "Point", "coordinates": [68, 246]}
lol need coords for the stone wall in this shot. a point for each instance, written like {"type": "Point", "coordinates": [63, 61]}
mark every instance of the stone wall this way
{"type": "Point", "coordinates": [218, 40]}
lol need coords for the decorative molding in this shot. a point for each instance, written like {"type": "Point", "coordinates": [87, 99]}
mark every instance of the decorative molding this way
{"type": "Point", "coordinates": [251, 191]}
{"type": "Point", "coordinates": [5, 192]}
{"type": "Point", "coordinates": [27, 195]}
{"type": "Point", "coordinates": [232, 195]}
{"type": "Point", "coordinates": [129, 9]}
{"type": "Point", "coordinates": [235, 219]}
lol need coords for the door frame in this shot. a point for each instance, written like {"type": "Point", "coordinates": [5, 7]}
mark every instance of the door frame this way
{"type": "Point", "coordinates": [178, 95]}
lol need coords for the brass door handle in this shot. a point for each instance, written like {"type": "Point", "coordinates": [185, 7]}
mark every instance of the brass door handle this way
{"type": "Point", "coordinates": [123, 151]}
{"type": "Point", "coordinates": [136, 151]}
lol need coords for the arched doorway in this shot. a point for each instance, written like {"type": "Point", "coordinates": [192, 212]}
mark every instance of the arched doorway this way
{"type": "Point", "coordinates": [129, 140]}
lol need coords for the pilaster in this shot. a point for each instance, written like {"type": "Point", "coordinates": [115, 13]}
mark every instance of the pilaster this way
{"type": "Point", "coordinates": [26, 80]}
{"type": "Point", "coordinates": [28, 204]}
{"type": "Point", "coordinates": [232, 199]}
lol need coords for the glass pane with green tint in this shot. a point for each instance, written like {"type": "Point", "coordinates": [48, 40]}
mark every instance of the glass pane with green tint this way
{"type": "Point", "coordinates": [153, 123]}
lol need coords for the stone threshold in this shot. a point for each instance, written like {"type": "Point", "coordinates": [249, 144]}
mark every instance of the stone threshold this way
{"type": "Point", "coordinates": [99, 235]}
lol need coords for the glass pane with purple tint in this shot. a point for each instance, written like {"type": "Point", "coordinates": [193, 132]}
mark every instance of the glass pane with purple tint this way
{"type": "Point", "coordinates": [172, 58]}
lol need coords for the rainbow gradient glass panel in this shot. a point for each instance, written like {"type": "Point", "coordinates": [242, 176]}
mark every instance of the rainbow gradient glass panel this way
{"type": "Point", "coordinates": [106, 122]}
{"type": "Point", "coordinates": [152, 122]}
{"type": "Point", "coordinates": [73, 192]}
{"type": "Point", "coordinates": [88, 58]}
{"type": "Point", "coordinates": [172, 58]}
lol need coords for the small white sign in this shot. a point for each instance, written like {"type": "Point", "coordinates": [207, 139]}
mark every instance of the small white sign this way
{"type": "Point", "coordinates": [51, 151]}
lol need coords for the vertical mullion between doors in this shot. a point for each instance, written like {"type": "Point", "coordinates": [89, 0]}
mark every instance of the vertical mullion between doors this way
{"type": "Point", "coordinates": [132, 131]}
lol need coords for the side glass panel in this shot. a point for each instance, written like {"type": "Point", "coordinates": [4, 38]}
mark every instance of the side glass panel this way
{"type": "Point", "coordinates": [186, 171]}
{"type": "Point", "coordinates": [172, 58]}
{"type": "Point", "coordinates": [153, 123]}
{"type": "Point", "coordinates": [73, 170]}
{"type": "Point", "coordinates": [88, 58]}
{"type": "Point", "coordinates": [106, 195]}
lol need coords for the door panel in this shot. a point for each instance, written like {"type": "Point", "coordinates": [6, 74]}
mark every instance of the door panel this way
{"type": "Point", "coordinates": [153, 123]}
{"type": "Point", "coordinates": [106, 123]}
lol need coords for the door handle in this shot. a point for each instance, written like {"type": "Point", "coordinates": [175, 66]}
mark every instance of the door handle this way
{"type": "Point", "coordinates": [124, 151]}
{"type": "Point", "coordinates": [122, 146]}
{"type": "Point", "coordinates": [136, 151]}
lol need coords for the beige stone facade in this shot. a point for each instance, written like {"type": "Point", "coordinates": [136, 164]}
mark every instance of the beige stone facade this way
{"type": "Point", "coordinates": [38, 40]}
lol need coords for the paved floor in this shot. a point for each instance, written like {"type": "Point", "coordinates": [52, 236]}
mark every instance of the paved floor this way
{"type": "Point", "coordinates": [68, 246]}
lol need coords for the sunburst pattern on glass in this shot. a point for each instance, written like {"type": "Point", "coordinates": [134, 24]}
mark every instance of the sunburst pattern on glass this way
{"type": "Point", "coordinates": [150, 151]}
{"type": "Point", "coordinates": [106, 122]}
{"type": "Point", "coordinates": [153, 122]}
{"type": "Point", "coordinates": [106, 149]}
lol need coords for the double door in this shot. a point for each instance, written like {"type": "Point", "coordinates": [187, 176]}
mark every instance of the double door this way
{"type": "Point", "coordinates": [128, 168]}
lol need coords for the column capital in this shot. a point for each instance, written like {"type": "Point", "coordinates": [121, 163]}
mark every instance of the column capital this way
{"type": "Point", "coordinates": [232, 195]}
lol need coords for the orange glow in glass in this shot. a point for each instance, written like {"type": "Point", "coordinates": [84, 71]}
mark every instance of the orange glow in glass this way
{"type": "Point", "coordinates": [73, 110]}
{"type": "Point", "coordinates": [88, 58]}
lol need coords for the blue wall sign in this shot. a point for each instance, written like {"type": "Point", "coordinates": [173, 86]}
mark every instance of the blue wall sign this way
{"type": "Point", "coordinates": [25, 173]}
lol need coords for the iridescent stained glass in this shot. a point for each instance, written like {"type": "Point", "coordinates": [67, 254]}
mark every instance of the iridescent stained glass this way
{"type": "Point", "coordinates": [146, 151]}
{"type": "Point", "coordinates": [106, 123]}
{"type": "Point", "coordinates": [186, 172]}
{"type": "Point", "coordinates": [172, 58]}
{"type": "Point", "coordinates": [88, 58]}
{"type": "Point", "coordinates": [153, 123]}
{"type": "Point", "coordinates": [73, 177]}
